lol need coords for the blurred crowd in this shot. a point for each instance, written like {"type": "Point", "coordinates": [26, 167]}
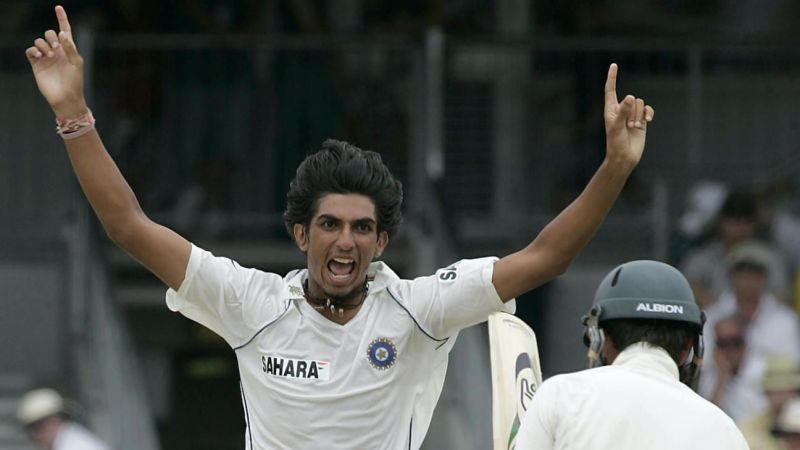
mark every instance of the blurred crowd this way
{"type": "Point", "coordinates": [190, 114]}
{"type": "Point", "coordinates": [187, 124]}
{"type": "Point", "coordinates": [740, 251]}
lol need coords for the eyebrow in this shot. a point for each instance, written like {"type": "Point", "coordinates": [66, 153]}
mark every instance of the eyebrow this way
{"type": "Point", "coordinates": [369, 220]}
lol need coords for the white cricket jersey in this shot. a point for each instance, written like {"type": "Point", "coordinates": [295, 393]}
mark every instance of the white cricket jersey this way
{"type": "Point", "coordinates": [636, 403]}
{"type": "Point", "coordinates": [309, 383]}
{"type": "Point", "coordinates": [72, 436]}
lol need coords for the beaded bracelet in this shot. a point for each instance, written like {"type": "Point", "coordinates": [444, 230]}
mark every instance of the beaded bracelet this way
{"type": "Point", "coordinates": [73, 128]}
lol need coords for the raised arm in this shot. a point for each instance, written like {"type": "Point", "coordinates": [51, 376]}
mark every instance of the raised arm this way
{"type": "Point", "coordinates": [58, 69]}
{"type": "Point", "coordinates": [561, 240]}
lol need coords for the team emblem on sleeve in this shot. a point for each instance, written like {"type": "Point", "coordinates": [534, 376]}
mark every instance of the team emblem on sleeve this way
{"type": "Point", "coordinates": [382, 353]}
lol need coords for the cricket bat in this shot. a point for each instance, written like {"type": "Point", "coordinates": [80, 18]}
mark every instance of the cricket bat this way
{"type": "Point", "coordinates": [516, 375]}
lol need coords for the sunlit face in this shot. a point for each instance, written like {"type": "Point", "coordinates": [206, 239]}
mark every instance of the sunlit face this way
{"type": "Point", "coordinates": [748, 283]}
{"type": "Point", "coordinates": [44, 433]}
{"type": "Point", "coordinates": [730, 343]}
{"type": "Point", "coordinates": [341, 240]}
{"type": "Point", "coordinates": [736, 229]}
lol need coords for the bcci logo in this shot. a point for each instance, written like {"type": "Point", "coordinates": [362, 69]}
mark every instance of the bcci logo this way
{"type": "Point", "coordinates": [382, 353]}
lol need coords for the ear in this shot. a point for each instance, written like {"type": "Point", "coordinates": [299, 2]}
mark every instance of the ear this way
{"type": "Point", "coordinates": [610, 351]}
{"type": "Point", "coordinates": [687, 347]}
{"type": "Point", "coordinates": [301, 236]}
{"type": "Point", "coordinates": [383, 241]}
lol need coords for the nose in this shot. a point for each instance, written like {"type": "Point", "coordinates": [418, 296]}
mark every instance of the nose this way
{"type": "Point", "coordinates": [345, 239]}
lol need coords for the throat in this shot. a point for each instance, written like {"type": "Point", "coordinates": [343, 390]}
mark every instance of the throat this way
{"type": "Point", "coordinates": [337, 305]}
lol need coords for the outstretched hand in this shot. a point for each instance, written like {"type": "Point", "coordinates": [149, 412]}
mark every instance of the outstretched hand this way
{"type": "Point", "coordinates": [626, 124]}
{"type": "Point", "coordinates": [58, 69]}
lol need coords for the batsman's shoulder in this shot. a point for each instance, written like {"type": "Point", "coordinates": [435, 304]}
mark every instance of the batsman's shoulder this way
{"type": "Point", "coordinates": [575, 383]}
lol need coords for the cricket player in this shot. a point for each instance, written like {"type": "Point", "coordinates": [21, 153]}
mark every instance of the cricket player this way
{"type": "Point", "coordinates": [642, 328]}
{"type": "Point", "coordinates": [341, 354]}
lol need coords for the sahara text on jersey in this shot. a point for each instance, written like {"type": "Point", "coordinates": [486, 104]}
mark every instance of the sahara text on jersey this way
{"type": "Point", "coordinates": [295, 368]}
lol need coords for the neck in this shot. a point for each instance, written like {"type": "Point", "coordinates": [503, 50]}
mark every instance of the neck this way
{"type": "Point", "coordinates": [334, 307]}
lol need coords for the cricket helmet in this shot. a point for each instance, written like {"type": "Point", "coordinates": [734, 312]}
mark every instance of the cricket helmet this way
{"type": "Point", "coordinates": [644, 290]}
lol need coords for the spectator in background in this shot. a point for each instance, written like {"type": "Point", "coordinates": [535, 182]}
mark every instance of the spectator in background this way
{"type": "Point", "coordinates": [787, 429]}
{"type": "Point", "coordinates": [734, 386]}
{"type": "Point", "coordinates": [705, 267]}
{"type": "Point", "coordinates": [703, 203]}
{"type": "Point", "coordinates": [770, 327]}
{"type": "Point", "coordinates": [44, 415]}
{"type": "Point", "coordinates": [781, 217]}
{"type": "Point", "coordinates": [781, 383]}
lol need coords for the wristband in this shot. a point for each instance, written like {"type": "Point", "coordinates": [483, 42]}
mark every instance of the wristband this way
{"type": "Point", "coordinates": [73, 128]}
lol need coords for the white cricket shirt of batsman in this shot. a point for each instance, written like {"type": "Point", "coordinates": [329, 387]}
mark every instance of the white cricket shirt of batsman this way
{"type": "Point", "coordinates": [307, 382]}
{"type": "Point", "coordinates": [636, 403]}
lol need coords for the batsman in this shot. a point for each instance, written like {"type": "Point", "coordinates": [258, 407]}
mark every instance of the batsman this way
{"type": "Point", "coordinates": [645, 329]}
{"type": "Point", "coordinates": [342, 353]}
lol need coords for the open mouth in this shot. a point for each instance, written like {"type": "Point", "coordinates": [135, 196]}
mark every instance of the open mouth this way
{"type": "Point", "coordinates": [341, 269]}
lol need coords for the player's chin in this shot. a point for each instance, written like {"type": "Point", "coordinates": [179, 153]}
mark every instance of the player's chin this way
{"type": "Point", "coordinates": [333, 286]}
{"type": "Point", "coordinates": [344, 291]}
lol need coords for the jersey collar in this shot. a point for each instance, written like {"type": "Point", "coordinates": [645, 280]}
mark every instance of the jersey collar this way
{"type": "Point", "coordinates": [643, 357]}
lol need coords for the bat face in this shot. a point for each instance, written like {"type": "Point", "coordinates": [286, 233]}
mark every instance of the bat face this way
{"type": "Point", "coordinates": [516, 374]}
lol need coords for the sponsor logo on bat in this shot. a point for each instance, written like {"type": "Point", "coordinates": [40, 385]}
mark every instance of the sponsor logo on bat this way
{"type": "Point", "coordinates": [525, 389]}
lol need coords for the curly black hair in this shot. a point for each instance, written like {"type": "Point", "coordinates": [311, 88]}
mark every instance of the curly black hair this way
{"type": "Point", "coordinates": [341, 168]}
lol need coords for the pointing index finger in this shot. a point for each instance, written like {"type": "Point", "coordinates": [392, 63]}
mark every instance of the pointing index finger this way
{"type": "Point", "coordinates": [63, 22]}
{"type": "Point", "coordinates": [611, 86]}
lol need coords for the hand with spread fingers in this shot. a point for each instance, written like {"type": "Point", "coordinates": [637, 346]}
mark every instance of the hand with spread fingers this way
{"type": "Point", "coordinates": [626, 124]}
{"type": "Point", "coordinates": [58, 69]}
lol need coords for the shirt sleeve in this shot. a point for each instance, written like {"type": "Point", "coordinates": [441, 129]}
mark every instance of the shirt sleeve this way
{"type": "Point", "coordinates": [537, 428]}
{"type": "Point", "coordinates": [454, 297]}
{"type": "Point", "coordinates": [232, 301]}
